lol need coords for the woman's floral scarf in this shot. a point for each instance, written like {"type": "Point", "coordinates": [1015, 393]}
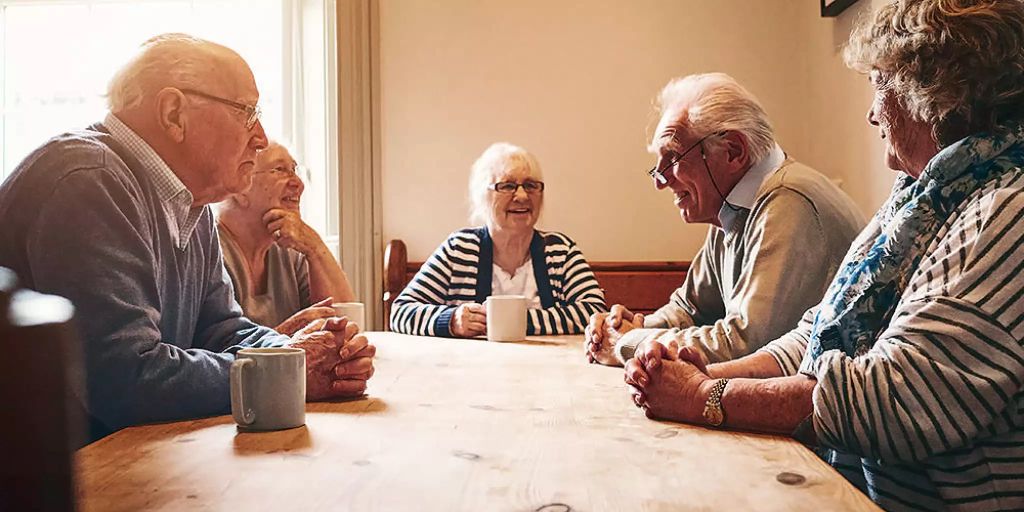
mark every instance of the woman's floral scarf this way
{"type": "Point", "coordinates": [863, 295]}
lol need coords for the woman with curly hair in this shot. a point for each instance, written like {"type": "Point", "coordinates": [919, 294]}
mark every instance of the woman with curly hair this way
{"type": "Point", "coordinates": [909, 375]}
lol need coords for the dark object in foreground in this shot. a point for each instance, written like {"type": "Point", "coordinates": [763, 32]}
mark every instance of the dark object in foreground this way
{"type": "Point", "coordinates": [40, 376]}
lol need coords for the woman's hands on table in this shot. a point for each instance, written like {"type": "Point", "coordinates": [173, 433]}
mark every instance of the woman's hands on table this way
{"type": "Point", "coordinates": [669, 383]}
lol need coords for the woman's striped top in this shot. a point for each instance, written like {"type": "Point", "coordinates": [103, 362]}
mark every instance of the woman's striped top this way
{"type": "Point", "coordinates": [932, 416]}
{"type": "Point", "coordinates": [459, 272]}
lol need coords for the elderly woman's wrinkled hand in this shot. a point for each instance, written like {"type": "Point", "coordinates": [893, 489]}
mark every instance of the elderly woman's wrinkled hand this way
{"type": "Point", "coordinates": [469, 320]}
{"type": "Point", "coordinates": [677, 392]}
{"type": "Point", "coordinates": [320, 311]}
{"type": "Point", "coordinates": [645, 365]}
{"type": "Point", "coordinates": [338, 361]}
{"type": "Point", "coordinates": [291, 232]}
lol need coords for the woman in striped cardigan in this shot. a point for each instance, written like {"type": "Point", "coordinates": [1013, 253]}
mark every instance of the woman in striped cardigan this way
{"type": "Point", "coordinates": [505, 256]}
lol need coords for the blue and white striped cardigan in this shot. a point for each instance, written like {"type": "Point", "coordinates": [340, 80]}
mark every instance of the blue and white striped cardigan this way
{"type": "Point", "coordinates": [460, 271]}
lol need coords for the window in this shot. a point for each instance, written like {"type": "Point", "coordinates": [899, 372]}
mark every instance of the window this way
{"type": "Point", "coordinates": [57, 56]}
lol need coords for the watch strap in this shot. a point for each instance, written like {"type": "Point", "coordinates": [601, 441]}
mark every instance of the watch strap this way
{"type": "Point", "coordinates": [713, 412]}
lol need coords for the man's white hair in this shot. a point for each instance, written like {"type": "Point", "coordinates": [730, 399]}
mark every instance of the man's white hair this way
{"type": "Point", "coordinates": [496, 160]}
{"type": "Point", "coordinates": [703, 104]}
{"type": "Point", "coordinates": [167, 60]}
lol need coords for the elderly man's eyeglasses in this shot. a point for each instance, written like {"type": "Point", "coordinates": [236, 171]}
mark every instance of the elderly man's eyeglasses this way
{"type": "Point", "coordinates": [253, 112]}
{"type": "Point", "coordinates": [510, 187]}
{"type": "Point", "coordinates": [658, 174]}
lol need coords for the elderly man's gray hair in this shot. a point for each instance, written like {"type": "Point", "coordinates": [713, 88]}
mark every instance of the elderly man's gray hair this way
{"type": "Point", "coordinates": [703, 104]}
{"type": "Point", "coordinates": [167, 60]}
{"type": "Point", "coordinates": [496, 160]}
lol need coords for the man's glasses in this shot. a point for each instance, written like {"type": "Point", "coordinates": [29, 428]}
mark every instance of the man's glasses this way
{"type": "Point", "coordinates": [253, 112]}
{"type": "Point", "coordinates": [658, 174]}
{"type": "Point", "coordinates": [510, 187]}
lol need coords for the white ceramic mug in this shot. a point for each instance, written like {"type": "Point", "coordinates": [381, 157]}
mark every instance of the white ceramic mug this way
{"type": "Point", "coordinates": [353, 310]}
{"type": "Point", "coordinates": [268, 388]}
{"type": "Point", "coordinates": [506, 317]}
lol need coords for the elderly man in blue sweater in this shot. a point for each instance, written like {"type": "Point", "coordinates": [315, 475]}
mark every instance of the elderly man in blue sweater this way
{"type": "Point", "coordinates": [115, 217]}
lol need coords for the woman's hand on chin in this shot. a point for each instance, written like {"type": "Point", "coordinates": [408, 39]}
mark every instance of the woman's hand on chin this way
{"type": "Point", "coordinates": [288, 229]}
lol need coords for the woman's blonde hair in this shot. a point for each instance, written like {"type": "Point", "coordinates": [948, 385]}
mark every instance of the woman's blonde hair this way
{"type": "Point", "coordinates": [956, 65]}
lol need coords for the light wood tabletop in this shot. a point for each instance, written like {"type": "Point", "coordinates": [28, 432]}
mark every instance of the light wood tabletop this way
{"type": "Point", "coordinates": [463, 425]}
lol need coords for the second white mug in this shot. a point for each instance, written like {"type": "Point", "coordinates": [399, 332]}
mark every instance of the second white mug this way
{"type": "Point", "coordinates": [353, 310]}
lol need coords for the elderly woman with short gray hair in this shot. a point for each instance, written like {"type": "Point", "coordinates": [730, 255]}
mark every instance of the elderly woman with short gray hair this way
{"type": "Point", "coordinates": [909, 374]}
{"type": "Point", "coordinates": [504, 256]}
{"type": "Point", "coordinates": [283, 274]}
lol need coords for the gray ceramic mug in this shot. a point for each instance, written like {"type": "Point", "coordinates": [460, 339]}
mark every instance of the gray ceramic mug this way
{"type": "Point", "coordinates": [268, 388]}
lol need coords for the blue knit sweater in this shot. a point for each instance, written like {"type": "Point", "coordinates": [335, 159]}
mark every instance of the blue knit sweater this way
{"type": "Point", "coordinates": [159, 325]}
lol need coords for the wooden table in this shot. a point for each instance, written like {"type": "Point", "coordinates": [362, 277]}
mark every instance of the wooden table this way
{"type": "Point", "coordinates": [463, 425]}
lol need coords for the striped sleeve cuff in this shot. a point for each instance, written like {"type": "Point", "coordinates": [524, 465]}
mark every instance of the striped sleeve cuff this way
{"type": "Point", "coordinates": [443, 323]}
{"type": "Point", "coordinates": [823, 397]}
{"type": "Point", "coordinates": [787, 355]}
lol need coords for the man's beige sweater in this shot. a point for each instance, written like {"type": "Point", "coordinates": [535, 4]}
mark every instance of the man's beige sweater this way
{"type": "Point", "coordinates": [757, 274]}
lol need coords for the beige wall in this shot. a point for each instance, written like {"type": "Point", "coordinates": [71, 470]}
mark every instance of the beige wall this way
{"type": "Point", "coordinates": [840, 140]}
{"type": "Point", "coordinates": [573, 82]}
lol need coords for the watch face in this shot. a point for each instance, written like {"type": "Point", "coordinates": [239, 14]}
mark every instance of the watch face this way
{"type": "Point", "coordinates": [713, 415]}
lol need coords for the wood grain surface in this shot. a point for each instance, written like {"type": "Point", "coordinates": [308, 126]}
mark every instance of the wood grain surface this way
{"type": "Point", "coordinates": [463, 425]}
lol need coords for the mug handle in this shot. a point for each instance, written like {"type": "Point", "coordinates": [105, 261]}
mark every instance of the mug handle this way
{"type": "Point", "coordinates": [243, 416]}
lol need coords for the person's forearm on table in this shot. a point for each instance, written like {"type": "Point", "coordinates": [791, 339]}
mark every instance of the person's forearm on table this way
{"type": "Point", "coordinates": [759, 365]}
{"type": "Point", "coordinates": [671, 315]}
{"type": "Point", "coordinates": [654, 330]}
{"type": "Point", "coordinates": [722, 340]}
{"type": "Point", "coordinates": [326, 277]}
{"type": "Point", "coordinates": [776, 406]}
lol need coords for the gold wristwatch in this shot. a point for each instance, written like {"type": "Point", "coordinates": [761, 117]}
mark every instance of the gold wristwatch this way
{"type": "Point", "coordinates": [713, 413]}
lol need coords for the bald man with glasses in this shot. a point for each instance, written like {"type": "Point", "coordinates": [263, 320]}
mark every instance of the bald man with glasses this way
{"type": "Point", "coordinates": [116, 218]}
{"type": "Point", "coordinates": [778, 230]}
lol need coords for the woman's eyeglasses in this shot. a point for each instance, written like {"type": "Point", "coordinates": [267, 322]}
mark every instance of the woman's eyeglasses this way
{"type": "Point", "coordinates": [510, 187]}
{"type": "Point", "coordinates": [286, 170]}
